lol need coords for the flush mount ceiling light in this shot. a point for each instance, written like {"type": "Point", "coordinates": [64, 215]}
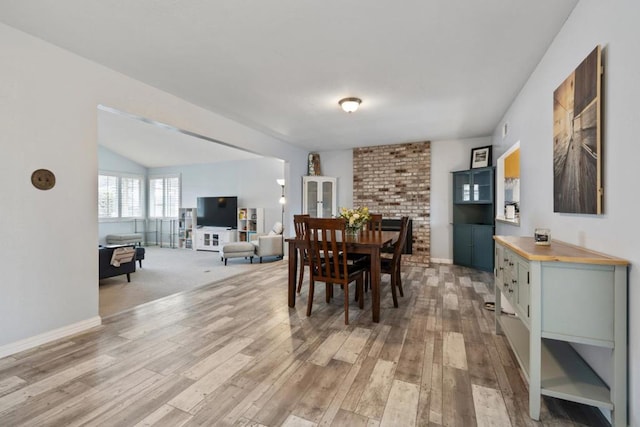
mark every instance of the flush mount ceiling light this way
{"type": "Point", "coordinates": [350, 104]}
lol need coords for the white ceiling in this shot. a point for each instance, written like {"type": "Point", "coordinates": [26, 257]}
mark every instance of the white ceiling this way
{"type": "Point", "coordinates": [425, 69]}
{"type": "Point", "coordinates": [153, 144]}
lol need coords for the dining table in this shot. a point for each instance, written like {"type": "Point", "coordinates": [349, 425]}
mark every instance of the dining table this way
{"type": "Point", "coordinates": [366, 242]}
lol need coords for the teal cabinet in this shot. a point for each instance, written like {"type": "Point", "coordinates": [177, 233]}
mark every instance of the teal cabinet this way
{"type": "Point", "coordinates": [482, 247]}
{"type": "Point", "coordinates": [462, 244]}
{"type": "Point", "coordinates": [473, 246]}
{"type": "Point", "coordinates": [473, 186]}
{"type": "Point", "coordinates": [473, 218]}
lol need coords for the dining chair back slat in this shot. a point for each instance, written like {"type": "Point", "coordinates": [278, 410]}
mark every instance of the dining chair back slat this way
{"type": "Point", "coordinates": [299, 225]}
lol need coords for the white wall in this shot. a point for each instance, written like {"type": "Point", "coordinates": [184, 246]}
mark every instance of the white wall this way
{"type": "Point", "coordinates": [446, 157]}
{"type": "Point", "coordinates": [253, 181]}
{"type": "Point", "coordinates": [110, 161]}
{"type": "Point", "coordinates": [613, 25]}
{"type": "Point", "coordinates": [339, 163]}
{"type": "Point", "coordinates": [48, 119]}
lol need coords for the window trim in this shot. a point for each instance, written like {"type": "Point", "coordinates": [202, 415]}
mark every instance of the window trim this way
{"type": "Point", "coordinates": [142, 196]}
{"type": "Point", "coordinates": [164, 178]}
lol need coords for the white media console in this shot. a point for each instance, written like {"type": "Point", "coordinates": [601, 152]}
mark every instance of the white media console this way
{"type": "Point", "coordinates": [213, 238]}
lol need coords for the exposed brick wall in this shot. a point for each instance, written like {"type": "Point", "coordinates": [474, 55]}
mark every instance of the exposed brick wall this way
{"type": "Point", "coordinates": [395, 180]}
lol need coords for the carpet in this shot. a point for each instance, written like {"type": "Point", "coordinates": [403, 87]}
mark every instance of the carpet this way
{"type": "Point", "coordinates": [166, 271]}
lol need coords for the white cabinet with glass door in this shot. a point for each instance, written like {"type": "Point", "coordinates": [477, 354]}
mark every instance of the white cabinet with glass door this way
{"type": "Point", "coordinates": [319, 196]}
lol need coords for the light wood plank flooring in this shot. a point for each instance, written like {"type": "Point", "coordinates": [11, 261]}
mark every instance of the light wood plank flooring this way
{"type": "Point", "coordinates": [233, 354]}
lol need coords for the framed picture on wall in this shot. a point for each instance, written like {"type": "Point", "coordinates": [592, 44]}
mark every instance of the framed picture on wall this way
{"type": "Point", "coordinates": [480, 157]}
{"type": "Point", "coordinates": [577, 142]}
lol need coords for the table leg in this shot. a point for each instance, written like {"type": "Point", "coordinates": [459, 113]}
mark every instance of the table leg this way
{"type": "Point", "coordinates": [293, 271]}
{"type": "Point", "coordinates": [375, 284]}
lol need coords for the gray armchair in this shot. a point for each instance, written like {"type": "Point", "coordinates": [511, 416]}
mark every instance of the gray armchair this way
{"type": "Point", "coordinates": [270, 244]}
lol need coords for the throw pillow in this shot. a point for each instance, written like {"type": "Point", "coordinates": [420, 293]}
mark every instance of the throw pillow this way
{"type": "Point", "coordinates": [278, 228]}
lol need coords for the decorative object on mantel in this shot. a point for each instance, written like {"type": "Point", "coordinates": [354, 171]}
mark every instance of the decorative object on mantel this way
{"type": "Point", "coordinates": [542, 236]}
{"type": "Point", "coordinates": [480, 157]}
{"type": "Point", "coordinates": [577, 145]}
{"type": "Point", "coordinates": [350, 105]}
{"type": "Point", "coordinates": [313, 167]}
{"type": "Point", "coordinates": [43, 179]}
{"type": "Point", "coordinates": [356, 218]}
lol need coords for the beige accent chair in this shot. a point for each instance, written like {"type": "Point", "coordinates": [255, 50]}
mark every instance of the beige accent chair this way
{"type": "Point", "coordinates": [270, 244]}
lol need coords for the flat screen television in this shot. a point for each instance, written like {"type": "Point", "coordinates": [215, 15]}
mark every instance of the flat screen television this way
{"type": "Point", "coordinates": [218, 212]}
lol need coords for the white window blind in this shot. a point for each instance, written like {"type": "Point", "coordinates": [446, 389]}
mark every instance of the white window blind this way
{"type": "Point", "coordinates": [119, 196]}
{"type": "Point", "coordinates": [130, 197]}
{"type": "Point", "coordinates": [172, 205]}
{"type": "Point", "coordinates": [108, 201]}
{"type": "Point", "coordinates": [156, 198]}
{"type": "Point", "coordinates": [164, 197]}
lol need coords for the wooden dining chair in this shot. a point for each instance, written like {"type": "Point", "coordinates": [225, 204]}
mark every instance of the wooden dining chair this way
{"type": "Point", "coordinates": [393, 265]}
{"type": "Point", "coordinates": [325, 243]}
{"type": "Point", "coordinates": [375, 222]}
{"type": "Point", "coordinates": [300, 228]}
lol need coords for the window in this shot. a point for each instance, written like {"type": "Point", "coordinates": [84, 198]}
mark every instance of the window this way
{"type": "Point", "coordinates": [130, 200]}
{"type": "Point", "coordinates": [119, 196]}
{"type": "Point", "coordinates": [164, 197]}
{"type": "Point", "coordinates": [108, 201]}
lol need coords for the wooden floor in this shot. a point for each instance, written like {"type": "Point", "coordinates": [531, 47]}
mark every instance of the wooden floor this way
{"type": "Point", "coordinates": [233, 353]}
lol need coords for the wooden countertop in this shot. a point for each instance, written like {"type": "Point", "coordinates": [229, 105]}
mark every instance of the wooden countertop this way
{"type": "Point", "coordinates": [557, 251]}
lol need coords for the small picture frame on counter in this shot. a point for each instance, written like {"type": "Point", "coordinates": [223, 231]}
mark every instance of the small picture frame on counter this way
{"type": "Point", "coordinates": [542, 236]}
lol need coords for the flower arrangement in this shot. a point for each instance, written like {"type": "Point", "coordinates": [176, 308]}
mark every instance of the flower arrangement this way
{"type": "Point", "coordinates": [356, 217]}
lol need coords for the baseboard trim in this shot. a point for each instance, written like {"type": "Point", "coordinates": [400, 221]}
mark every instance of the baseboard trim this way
{"type": "Point", "coordinates": [441, 261]}
{"type": "Point", "coordinates": [35, 341]}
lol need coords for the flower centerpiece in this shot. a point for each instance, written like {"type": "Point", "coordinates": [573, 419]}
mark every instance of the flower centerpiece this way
{"type": "Point", "coordinates": [356, 218]}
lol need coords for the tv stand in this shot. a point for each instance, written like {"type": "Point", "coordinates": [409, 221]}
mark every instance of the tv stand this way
{"type": "Point", "coordinates": [213, 238]}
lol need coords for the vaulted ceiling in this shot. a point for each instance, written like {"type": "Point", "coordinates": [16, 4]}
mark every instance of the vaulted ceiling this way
{"type": "Point", "coordinates": [425, 69]}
